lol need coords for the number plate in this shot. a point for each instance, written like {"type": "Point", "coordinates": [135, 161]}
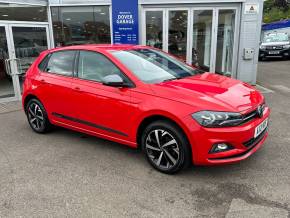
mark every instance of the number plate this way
{"type": "Point", "coordinates": [274, 52]}
{"type": "Point", "coordinates": [259, 129]}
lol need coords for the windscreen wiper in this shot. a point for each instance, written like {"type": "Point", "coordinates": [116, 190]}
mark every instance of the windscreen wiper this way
{"type": "Point", "coordinates": [171, 79]}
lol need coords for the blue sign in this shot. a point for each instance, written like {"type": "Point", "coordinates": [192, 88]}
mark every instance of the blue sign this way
{"type": "Point", "coordinates": [125, 21]}
{"type": "Point", "coordinates": [277, 25]}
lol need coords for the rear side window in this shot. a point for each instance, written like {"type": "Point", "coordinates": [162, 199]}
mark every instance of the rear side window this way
{"type": "Point", "coordinates": [61, 63]}
{"type": "Point", "coordinates": [94, 66]}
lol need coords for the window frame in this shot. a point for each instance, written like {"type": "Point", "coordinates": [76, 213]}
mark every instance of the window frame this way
{"type": "Point", "coordinates": [130, 83]}
{"type": "Point", "coordinates": [48, 57]}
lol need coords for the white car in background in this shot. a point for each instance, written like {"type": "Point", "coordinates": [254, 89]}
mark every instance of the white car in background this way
{"type": "Point", "coordinates": [275, 45]}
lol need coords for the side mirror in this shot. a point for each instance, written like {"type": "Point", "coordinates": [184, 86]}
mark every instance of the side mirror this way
{"type": "Point", "coordinates": [115, 80]}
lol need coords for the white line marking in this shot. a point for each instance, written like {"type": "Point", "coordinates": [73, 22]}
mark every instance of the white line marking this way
{"type": "Point", "coordinates": [263, 89]}
{"type": "Point", "coordinates": [281, 88]}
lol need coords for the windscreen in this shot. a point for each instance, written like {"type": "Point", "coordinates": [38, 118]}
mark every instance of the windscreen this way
{"type": "Point", "coordinates": [282, 37]}
{"type": "Point", "coordinates": [153, 66]}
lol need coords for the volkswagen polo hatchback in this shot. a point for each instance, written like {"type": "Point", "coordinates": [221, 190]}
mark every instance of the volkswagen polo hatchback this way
{"type": "Point", "coordinates": [143, 97]}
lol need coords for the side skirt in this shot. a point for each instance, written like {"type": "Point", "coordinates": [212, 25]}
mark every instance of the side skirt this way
{"type": "Point", "coordinates": [93, 133]}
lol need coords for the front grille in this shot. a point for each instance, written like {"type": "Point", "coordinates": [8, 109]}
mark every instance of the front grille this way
{"type": "Point", "coordinates": [253, 114]}
{"type": "Point", "coordinates": [278, 47]}
{"type": "Point", "coordinates": [254, 141]}
{"type": "Point", "coordinates": [248, 117]}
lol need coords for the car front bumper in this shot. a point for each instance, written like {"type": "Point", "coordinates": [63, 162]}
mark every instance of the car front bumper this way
{"type": "Point", "coordinates": [241, 138]}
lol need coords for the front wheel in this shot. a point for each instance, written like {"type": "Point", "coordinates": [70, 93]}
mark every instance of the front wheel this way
{"type": "Point", "coordinates": [37, 116]}
{"type": "Point", "coordinates": [166, 147]}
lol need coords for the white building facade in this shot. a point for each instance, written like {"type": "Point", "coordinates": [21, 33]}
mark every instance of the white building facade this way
{"type": "Point", "coordinates": [219, 36]}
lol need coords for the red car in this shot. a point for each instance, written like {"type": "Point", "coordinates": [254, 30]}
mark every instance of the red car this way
{"type": "Point", "coordinates": [143, 97]}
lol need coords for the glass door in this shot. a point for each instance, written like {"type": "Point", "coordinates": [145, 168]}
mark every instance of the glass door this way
{"type": "Point", "coordinates": [28, 43]}
{"type": "Point", "coordinates": [213, 40]}
{"type": "Point", "coordinates": [20, 45]}
{"type": "Point", "coordinates": [202, 37]}
{"type": "Point", "coordinates": [166, 29]}
{"type": "Point", "coordinates": [7, 80]}
{"type": "Point", "coordinates": [225, 42]}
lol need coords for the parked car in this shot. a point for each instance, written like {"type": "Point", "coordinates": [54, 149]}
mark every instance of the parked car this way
{"type": "Point", "coordinates": [275, 45]}
{"type": "Point", "coordinates": [145, 98]}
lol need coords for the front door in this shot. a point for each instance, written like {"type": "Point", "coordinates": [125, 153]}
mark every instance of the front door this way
{"type": "Point", "coordinates": [20, 46]}
{"type": "Point", "coordinates": [102, 109]}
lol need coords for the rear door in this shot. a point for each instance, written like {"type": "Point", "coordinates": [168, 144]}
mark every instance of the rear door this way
{"type": "Point", "coordinates": [56, 78]}
{"type": "Point", "coordinates": [102, 109]}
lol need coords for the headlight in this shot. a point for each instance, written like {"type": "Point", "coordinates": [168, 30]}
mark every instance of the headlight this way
{"type": "Point", "coordinates": [217, 119]}
{"type": "Point", "coordinates": [286, 46]}
{"type": "Point", "coordinates": [262, 47]}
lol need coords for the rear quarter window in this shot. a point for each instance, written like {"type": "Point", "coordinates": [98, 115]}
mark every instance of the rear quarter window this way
{"type": "Point", "coordinates": [43, 63]}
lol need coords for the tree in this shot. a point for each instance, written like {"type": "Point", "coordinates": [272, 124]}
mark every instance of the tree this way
{"type": "Point", "coordinates": [281, 4]}
{"type": "Point", "coordinates": [275, 10]}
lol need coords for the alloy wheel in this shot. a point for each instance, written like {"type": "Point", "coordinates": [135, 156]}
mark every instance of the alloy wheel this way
{"type": "Point", "coordinates": [162, 149]}
{"type": "Point", "coordinates": [35, 116]}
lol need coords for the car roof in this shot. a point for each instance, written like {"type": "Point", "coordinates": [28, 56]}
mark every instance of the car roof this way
{"type": "Point", "coordinates": [104, 47]}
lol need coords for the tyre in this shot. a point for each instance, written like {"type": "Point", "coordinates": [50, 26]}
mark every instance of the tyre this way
{"type": "Point", "coordinates": [37, 116]}
{"type": "Point", "coordinates": [166, 147]}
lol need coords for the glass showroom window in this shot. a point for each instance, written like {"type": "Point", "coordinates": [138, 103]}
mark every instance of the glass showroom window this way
{"type": "Point", "coordinates": [154, 29]}
{"type": "Point", "coordinates": [81, 25]}
{"type": "Point", "coordinates": [21, 12]}
{"type": "Point", "coordinates": [177, 36]}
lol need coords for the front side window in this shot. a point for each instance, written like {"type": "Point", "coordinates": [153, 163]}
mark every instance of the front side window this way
{"type": "Point", "coordinates": [152, 66]}
{"type": "Point", "coordinates": [94, 66]}
{"type": "Point", "coordinates": [61, 63]}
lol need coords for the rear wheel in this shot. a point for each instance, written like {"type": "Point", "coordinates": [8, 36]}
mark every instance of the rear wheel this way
{"type": "Point", "coordinates": [37, 116]}
{"type": "Point", "coordinates": [166, 147]}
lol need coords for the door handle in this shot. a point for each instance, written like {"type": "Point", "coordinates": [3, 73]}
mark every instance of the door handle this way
{"type": "Point", "coordinates": [8, 67]}
{"type": "Point", "coordinates": [78, 89]}
{"type": "Point", "coordinates": [8, 63]}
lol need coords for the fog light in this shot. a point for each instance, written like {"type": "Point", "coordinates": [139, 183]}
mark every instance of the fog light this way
{"type": "Point", "coordinates": [220, 147]}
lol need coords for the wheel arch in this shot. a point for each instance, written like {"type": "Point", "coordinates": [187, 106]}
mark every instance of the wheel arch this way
{"type": "Point", "coordinates": [157, 117]}
{"type": "Point", "coordinates": [27, 99]}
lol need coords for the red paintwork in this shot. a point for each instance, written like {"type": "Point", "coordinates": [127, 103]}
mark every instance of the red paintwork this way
{"type": "Point", "coordinates": [124, 109]}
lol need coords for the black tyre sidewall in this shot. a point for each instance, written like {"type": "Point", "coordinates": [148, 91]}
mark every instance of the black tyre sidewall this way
{"type": "Point", "coordinates": [47, 125]}
{"type": "Point", "coordinates": [185, 152]}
